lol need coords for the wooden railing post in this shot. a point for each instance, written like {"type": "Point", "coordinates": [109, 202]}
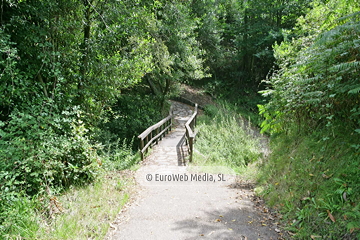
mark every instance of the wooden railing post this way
{"type": "Point", "coordinates": [157, 139]}
{"type": "Point", "coordinates": [191, 147]}
{"type": "Point", "coordinates": [196, 109]}
{"type": "Point", "coordinates": [141, 147]}
{"type": "Point", "coordinates": [190, 132]}
{"type": "Point", "coordinates": [171, 119]}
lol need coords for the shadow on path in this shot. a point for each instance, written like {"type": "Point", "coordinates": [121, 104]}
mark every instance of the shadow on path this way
{"type": "Point", "coordinates": [178, 203]}
{"type": "Point", "coordinates": [227, 223]}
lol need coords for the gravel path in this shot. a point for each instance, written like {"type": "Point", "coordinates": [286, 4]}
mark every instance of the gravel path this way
{"type": "Point", "coordinates": [178, 202]}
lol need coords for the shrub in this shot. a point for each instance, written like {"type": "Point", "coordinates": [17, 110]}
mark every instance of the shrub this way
{"type": "Point", "coordinates": [41, 149]}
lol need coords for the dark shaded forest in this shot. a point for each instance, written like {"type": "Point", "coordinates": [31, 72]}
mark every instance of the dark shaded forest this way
{"type": "Point", "coordinates": [79, 79]}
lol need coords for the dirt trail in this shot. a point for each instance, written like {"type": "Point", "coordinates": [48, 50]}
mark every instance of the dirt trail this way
{"type": "Point", "coordinates": [176, 202]}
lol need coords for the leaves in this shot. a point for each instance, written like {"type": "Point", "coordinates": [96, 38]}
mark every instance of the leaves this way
{"type": "Point", "coordinates": [313, 116]}
{"type": "Point", "coordinates": [318, 78]}
{"type": "Point", "coordinates": [330, 216]}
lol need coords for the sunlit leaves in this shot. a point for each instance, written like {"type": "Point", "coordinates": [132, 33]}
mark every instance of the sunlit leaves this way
{"type": "Point", "coordinates": [319, 71]}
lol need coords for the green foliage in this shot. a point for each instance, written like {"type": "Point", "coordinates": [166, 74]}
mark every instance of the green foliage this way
{"type": "Point", "coordinates": [210, 29]}
{"type": "Point", "coordinates": [313, 117]}
{"type": "Point", "coordinates": [223, 139]}
{"type": "Point", "coordinates": [119, 156]}
{"type": "Point", "coordinates": [238, 37]}
{"type": "Point", "coordinates": [41, 149]}
{"type": "Point", "coordinates": [177, 53]}
{"type": "Point", "coordinates": [17, 215]}
{"type": "Point", "coordinates": [308, 177]}
{"type": "Point", "coordinates": [211, 110]}
{"type": "Point", "coordinates": [64, 66]}
{"type": "Point", "coordinates": [82, 211]}
{"type": "Point", "coordinates": [88, 211]}
{"type": "Point", "coordinates": [71, 57]}
{"type": "Point", "coordinates": [317, 85]}
{"type": "Point", "coordinates": [130, 116]}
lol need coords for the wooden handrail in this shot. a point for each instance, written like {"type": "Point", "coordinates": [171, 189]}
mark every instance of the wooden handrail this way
{"type": "Point", "coordinates": [190, 131]}
{"type": "Point", "coordinates": [159, 129]}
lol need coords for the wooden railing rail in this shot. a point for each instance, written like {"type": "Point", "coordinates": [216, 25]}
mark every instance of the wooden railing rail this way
{"type": "Point", "coordinates": [154, 133]}
{"type": "Point", "coordinates": [190, 131]}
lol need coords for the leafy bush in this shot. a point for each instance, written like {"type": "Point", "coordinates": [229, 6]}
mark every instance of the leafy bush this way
{"type": "Point", "coordinates": [317, 85]}
{"type": "Point", "coordinates": [313, 115]}
{"type": "Point", "coordinates": [41, 149]}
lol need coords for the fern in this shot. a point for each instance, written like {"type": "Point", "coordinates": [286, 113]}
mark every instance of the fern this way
{"type": "Point", "coordinates": [356, 90]}
{"type": "Point", "coordinates": [346, 66]}
{"type": "Point", "coordinates": [353, 16]}
{"type": "Point", "coordinates": [347, 30]}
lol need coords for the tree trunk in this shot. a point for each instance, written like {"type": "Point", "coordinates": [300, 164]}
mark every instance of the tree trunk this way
{"type": "Point", "coordinates": [84, 49]}
{"type": "Point", "coordinates": [153, 88]}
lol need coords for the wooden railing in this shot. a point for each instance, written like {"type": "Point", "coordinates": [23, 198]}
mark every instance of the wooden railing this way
{"type": "Point", "coordinates": [154, 133]}
{"type": "Point", "coordinates": [190, 131]}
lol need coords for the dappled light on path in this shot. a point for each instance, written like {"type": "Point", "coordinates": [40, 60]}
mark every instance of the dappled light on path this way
{"type": "Point", "coordinates": [177, 201]}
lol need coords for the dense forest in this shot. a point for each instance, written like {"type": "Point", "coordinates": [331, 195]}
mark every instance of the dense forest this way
{"type": "Point", "coordinates": [82, 78]}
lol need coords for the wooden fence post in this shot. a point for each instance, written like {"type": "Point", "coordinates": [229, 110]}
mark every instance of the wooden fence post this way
{"type": "Point", "coordinates": [191, 146]}
{"type": "Point", "coordinates": [141, 147]}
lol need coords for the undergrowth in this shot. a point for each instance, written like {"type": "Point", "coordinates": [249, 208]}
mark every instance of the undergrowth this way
{"type": "Point", "coordinates": [47, 150]}
{"type": "Point", "coordinates": [313, 114]}
{"type": "Point", "coordinates": [245, 105]}
{"type": "Point", "coordinates": [119, 155]}
{"type": "Point", "coordinates": [80, 212]}
{"type": "Point", "coordinates": [86, 213]}
{"type": "Point", "coordinates": [314, 182]}
{"type": "Point", "coordinates": [223, 140]}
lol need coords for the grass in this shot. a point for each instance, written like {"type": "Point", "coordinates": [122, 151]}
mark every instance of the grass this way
{"type": "Point", "coordinates": [80, 213]}
{"type": "Point", "coordinates": [225, 140]}
{"type": "Point", "coordinates": [86, 213]}
{"type": "Point", "coordinates": [242, 100]}
{"type": "Point", "coordinates": [314, 182]}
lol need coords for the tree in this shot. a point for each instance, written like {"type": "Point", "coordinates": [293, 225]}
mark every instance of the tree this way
{"type": "Point", "coordinates": [178, 56]}
{"type": "Point", "coordinates": [62, 63]}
